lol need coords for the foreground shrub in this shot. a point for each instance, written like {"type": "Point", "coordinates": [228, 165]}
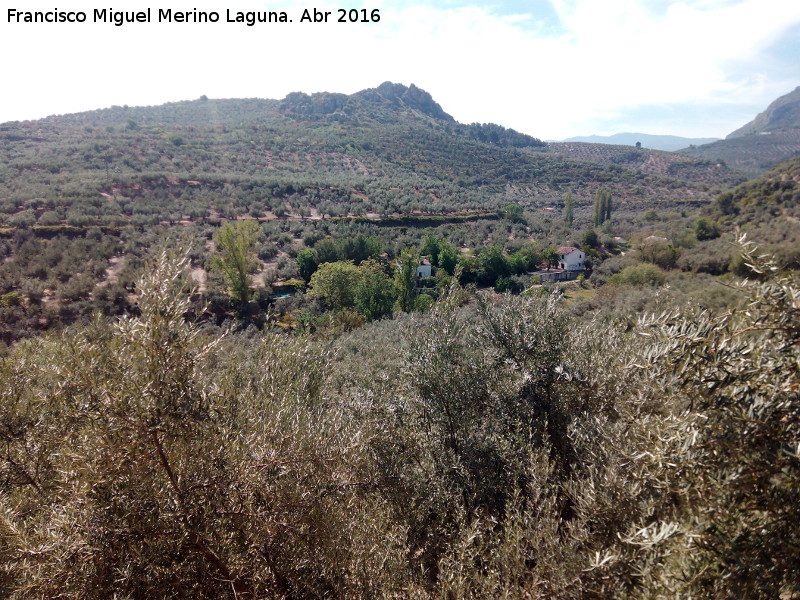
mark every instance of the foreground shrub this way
{"type": "Point", "coordinates": [739, 466]}
{"type": "Point", "coordinates": [493, 447]}
{"type": "Point", "coordinates": [144, 460]}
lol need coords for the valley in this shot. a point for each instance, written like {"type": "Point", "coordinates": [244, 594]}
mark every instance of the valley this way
{"type": "Point", "coordinates": [344, 346]}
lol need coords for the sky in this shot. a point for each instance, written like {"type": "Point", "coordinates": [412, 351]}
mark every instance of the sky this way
{"type": "Point", "coordinates": [550, 68]}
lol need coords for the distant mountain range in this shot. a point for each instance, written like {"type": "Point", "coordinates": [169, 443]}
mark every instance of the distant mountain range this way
{"type": "Point", "coordinates": [670, 143]}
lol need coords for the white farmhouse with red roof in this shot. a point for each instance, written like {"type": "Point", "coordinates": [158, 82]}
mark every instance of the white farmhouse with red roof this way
{"type": "Point", "coordinates": [570, 258]}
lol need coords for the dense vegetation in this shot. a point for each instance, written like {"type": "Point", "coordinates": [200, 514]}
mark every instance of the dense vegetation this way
{"type": "Point", "coordinates": [491, 447]}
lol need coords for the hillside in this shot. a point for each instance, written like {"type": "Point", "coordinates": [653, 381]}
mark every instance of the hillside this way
{"type": "Point", "coordinates": [773, 136]}
{"type": "Point", "coordinates": [384, 151]}
{"type": "Point", "coordinates": [650, 162]}
{"type": "Point", "coordinates": [767, 209]}
{"type": "Point", "coordinates": [668, 143]}
{"type": "Point", "coordinates": [203, 112]}
{"type": "Point", "coordinates": [776, 192]}
{"type": "Point", "coordinates": [84, 198]}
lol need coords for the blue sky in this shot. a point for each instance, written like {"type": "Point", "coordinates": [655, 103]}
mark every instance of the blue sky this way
{"type": "Point", "coordinates": [550, 68]}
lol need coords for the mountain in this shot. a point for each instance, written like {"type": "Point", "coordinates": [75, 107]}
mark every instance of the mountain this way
{"type": "Point", "coordinates": [667, 143]}
{"type": "Point", "coordinates": [781, 115]}
{"type": "Point", "coordinates": [392, 101]}
{"type": "Point", "coordinates": [385, 151]}
{"type": "Point", "coordinates": [393, 95]}
{"type": "Point", "coordinates": [773, 136]}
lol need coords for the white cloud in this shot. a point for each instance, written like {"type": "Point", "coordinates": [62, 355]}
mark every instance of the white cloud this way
{"type": "Point", "coordinates": [619, 54]}
{"type": "Point", "coordinates": [600, 62]}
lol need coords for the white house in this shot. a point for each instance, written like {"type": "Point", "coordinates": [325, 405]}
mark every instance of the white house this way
{"type": "Point", "coordinates": [570, 258]}
{"type": "Point", "coordinates": [423, 268]}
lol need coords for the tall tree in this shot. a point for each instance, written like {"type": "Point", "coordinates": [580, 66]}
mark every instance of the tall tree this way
{"type": "Point", "coordinates": [602, 207]}
{"type": "Point", "coordinates": [236, 243]}
{"type": "Point", "coordinates": [569, 210]}
{"type": "Point", "coordinates": [448, 257]}
{"type": "Point", "coordinates": [334, 283]}
{"type": "Point", "coordinates": [328, 251]}
{"type": "Point", "coordinates": [494, 264]}
{"type": "Point", "coordinates": [590, 239]}
{"type": "Point", "coordinates": [550, 256]}
{"type": "Point", "coordinates": [374, 294]}
{"type": "Point", "coordinates": [306, 263]}
{"type": "Point", "coordinates": [405, 279]}
{"type": "Point", "coordinates": [598, 208]}
{"type": "Point", "coordinates": [431, 248]}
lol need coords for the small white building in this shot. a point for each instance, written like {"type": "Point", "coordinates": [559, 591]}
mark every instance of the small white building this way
{"type": "Point", "coordinates": [423, 268]}
{"type": "Point", "coordinates": [570, 258]}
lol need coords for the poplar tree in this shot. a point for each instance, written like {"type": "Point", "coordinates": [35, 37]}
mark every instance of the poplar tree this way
{"type": "Point", "coordinates": [602, 207]}
{"type": "Point", "coordinates": [568, 209]}
{"type": "Point", "coordinates": [405, 279]}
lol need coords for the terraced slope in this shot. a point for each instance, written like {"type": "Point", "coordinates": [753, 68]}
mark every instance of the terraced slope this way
{"type": "Point", "coordinates": [385, 151]}
{"type": "Point", "coordinates": [650, 162]}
